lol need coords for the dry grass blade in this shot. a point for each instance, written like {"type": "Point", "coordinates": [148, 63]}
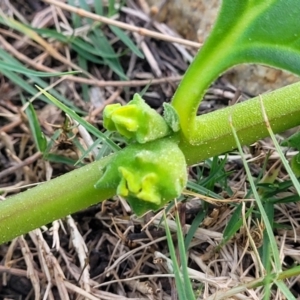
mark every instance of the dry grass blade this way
{"type": "Point", "coordinates": [82, 250]}
{"type": "Point", "coordinates": [139, 30]}
{"type": "Point", "coordinates": [31, 272]}
{"type": "Point", "coordinates": [22, 164]}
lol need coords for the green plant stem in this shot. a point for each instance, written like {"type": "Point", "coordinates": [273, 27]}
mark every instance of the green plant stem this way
{"type": "Point", "coordinates": [213, 132]}
{"type": "Point", "coordinates": [52, 200]}
{"type": "Point", "coordinates": [219, 53]}
{"type": "Point", "coordinates": [75, 190]}
{"type": "Point", "coordinates": [193, 86]}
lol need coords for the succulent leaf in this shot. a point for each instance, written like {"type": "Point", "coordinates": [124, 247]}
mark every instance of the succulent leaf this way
{"type": "Point", "coordinates": [295, 164]}
{"type": "Point", "coordinates": [171, 117]}
{"type": "Point", "coordinates": [292, 141]}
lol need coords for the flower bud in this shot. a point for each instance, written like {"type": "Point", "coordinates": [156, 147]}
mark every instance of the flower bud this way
{"type": "Point", "coordinates": [148, 175]}
{"type": "Point", "coordinates": [136, 120]}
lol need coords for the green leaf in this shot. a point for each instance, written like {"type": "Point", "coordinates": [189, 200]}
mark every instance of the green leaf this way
{"type": "Point", "coordinates": [171, 117]}
{"type": "Point", "coordinates": [202, 190]}
{"type": "Point", "coordinates": [51, 143]}
{"type": "Point", "coordinates": [295, 164]}
{"type": "Point", "coordinates": [88, 56]}
{"type": "Point", "coordinates": [76, 42]}
{"type": "Point", "coordinates": [234, 224]}
{"type": "Point", "coordinates": [51, 33]}
{"type": "Point", "coordinates": [111, 8]}
{"type": "Point", "coordinates": [266, 252]}
{"type": "Point", "coordinates": [83, 64]}
{"type": "Point", "coordinates": [292, 141]}
{"type": "Point", "coordinates": [83, 4]}
{"type": "Point", "coordinates": [248, 31]}
{"type": "Point", "coordinates": [258, 31]}
{"type": "Point", "coordinates": [94, 49]}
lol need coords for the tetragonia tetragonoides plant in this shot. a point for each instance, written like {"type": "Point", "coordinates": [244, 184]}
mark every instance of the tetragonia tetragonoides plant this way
{"type": "Point", "coordinates": [249, 31]}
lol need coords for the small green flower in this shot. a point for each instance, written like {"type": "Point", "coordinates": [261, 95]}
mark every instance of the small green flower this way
{"type": "Point", "coordinates": [136, 120]}
{"type": "Point", "coordinates": [148, 175]}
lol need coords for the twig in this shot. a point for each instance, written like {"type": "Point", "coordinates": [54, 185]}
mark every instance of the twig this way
{"type": "Point", "coordinates": [31, 272]}
{"type": "Point", "coordinates": [103, 83]}
{"type": "Point", "coordinates": [24, 163]}
{"type": "Point", "coordinates": [139, 30]}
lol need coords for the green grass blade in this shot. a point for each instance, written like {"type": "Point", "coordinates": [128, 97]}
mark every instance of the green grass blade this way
{"type": "Point", "coordinates": [91, 48]}
{"type": "Point", "coordinates": [87, 55]}
{"type": "Point", "coordinates": [216, 173]}
{"type": "Point", "coordinates": [194, 226]}
{"type": "Point", "coordinates": [266, 251]}
{"type": "Point", "coordinates": [101, 43]}
{"type": "Point", "coordinates": [28, 72]}
{"type": "Point", "coordinates": [126, 40]}
{"type": "Point", "coordinates": [285, 290]}
{"type": "Point", "coordinates": [76, 19]}
{"type": "Point", "coordinates": [202, 190]}
{"type": "Point", "coordinates": [56, 158]}
{"type": "Point", "coordinates": [184, 264]}
{"type": "Point", "coordinates": [98, 8]}
{"type": "Point", "coordinates": [85, 6]}
{"type": "Point", "coordinates": [176, 269]}
{"type": "Point", "coordinates": [259, 204]}
{"type": "Point", "coordinates": [234, 224]}
{"type": "Point", "coordinates": [81, 121]}
{"type": "Point", "coordinates": [86, 152]}
{"type": "Point", "coordinates": [51, 143]}
{"type": "Point", "coordinates": [74, 41]}
{"type": "Point", "coordinates": [281, 155]}
{"type": "Point", "coordinates": [53, 34]}
{"type": "Point", "coordinates": [28, 87]}
{"type": "Point", "coordinates": [82, 62]}
{"type": "Point", "coordinates": [265, 257]}
{"type": "Point", "coordinates": [111, 8]}
{"type": "Point", "coordinates": [35, 128]}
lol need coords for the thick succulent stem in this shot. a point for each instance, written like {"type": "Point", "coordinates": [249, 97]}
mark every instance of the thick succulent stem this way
{"type": "Point", "coordinates": [214, 132]}
{"type": "Point", "coordinates": [76, 190]}
{"type": "Point", "coordinates": [52, 200]}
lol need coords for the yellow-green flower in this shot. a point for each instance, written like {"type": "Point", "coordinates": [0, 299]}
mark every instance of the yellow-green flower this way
{"type": "Point", "coordinates": [148, 175]}
{"type": "Point", "coordinates": [136, 120]}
